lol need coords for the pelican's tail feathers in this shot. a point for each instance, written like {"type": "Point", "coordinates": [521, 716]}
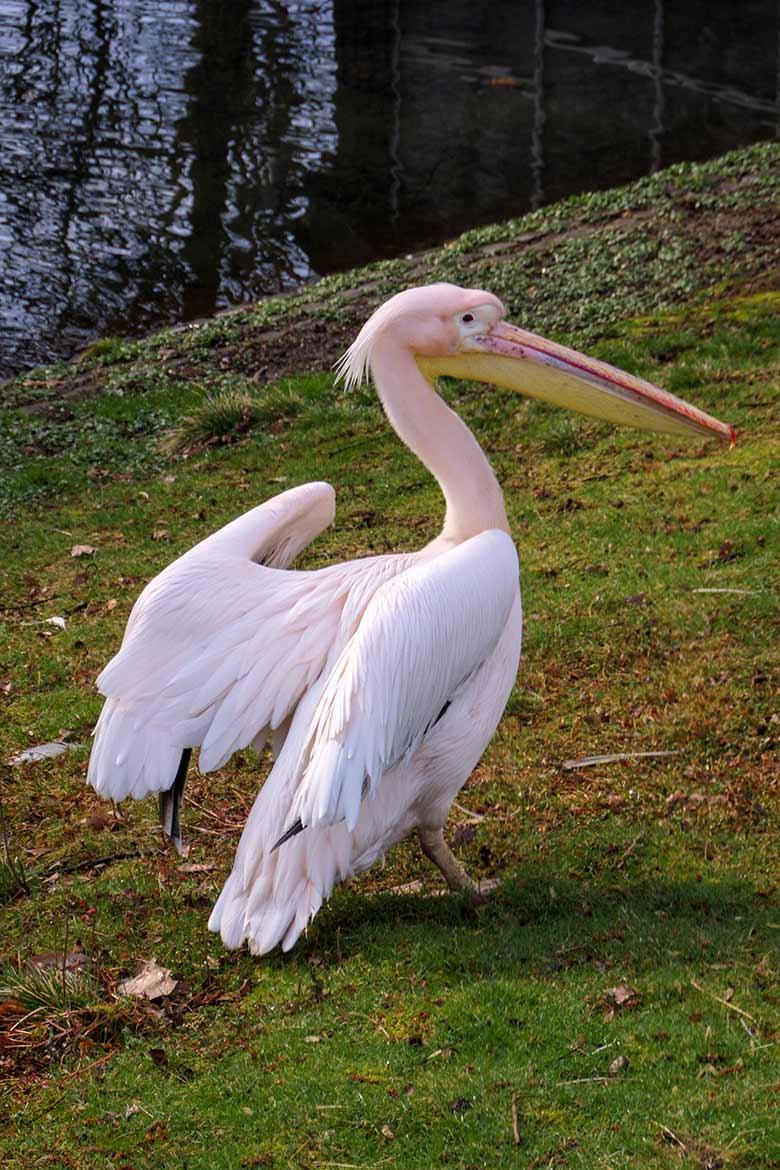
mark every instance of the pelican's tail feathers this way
{"type": "Point", "coordinates": [272, 894]}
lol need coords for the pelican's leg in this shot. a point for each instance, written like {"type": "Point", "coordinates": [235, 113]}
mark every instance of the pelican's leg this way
{"type": "Point", "coordinates": [438, 851]}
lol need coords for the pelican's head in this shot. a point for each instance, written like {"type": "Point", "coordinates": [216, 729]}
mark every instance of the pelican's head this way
{"type": "Point", "coordinates": [462, 333]}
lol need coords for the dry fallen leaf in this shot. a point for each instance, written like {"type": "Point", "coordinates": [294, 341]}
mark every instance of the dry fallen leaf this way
{"type": "Point", "coordinates": [619, 1065]}
{"type": "Point", "coordinates": [82, 550]}
{"type": "Point", "coordinates": [388, 1133]}
{"type": "Point", "coordinates": [99, 819]}
{"type": "Point", "coordinates": [161, 534]}
{"type": "Point", "coordinates": [151, 982]}
{"type": "Point", "coordinates": [53, 961]}
{"type": "Point", "coordinates": [622, 993]}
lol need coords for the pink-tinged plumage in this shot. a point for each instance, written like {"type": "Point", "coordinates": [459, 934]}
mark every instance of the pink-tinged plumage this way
{"type": "Point", "coordinates": [379, 681]}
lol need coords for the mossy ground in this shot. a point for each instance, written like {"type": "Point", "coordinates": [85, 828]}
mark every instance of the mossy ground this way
{"type": "Point", "coordinates": [398, 1031]}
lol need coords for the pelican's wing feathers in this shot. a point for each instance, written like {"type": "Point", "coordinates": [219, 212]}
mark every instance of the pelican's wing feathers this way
{"type": "Point", "coordinates": [221, 645]}
{"type": "Point", "coordinates": [422, 635]}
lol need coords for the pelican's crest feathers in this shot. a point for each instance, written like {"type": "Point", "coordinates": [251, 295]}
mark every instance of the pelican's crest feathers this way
{"type": "Point", "coordinates": [354, 367]}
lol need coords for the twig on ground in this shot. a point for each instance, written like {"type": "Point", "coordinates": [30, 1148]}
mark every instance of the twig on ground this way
{"type": "Point", "coordinates": [743, 592]}
{"type": "Point", "coordinates": [473, 816]}
{"type": "Point", "coordinates": [515, 1126]}
{"type": "Point", "coordinates": [86, 1068]}
{"type": "Point", "coordinates": [584, 1080]}
{"type": "Point", "coordinates": [672, 1137]}
{"type": "Point", "coordinates": [627, 853]}
{"type": "Point", "coordinates": [731, 1006]}
{"type": "Point", "coordinates": [614, 758]}
{"type": "Point", "coordinates": [65, 961]}
{"type": "Point", "coordinates": [371, 1020]}
{"type": "Point", "coordinates": [14, 605]}
{"type": "Point", "coordinates": [93, 862]}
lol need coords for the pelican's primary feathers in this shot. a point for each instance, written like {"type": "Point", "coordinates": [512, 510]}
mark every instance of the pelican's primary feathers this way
{"type": "Point", "coordinates": [382, 680]}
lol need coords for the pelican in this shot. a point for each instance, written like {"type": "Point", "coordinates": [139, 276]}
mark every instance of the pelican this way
{"type": "Point", "coordinates": [380, 681]}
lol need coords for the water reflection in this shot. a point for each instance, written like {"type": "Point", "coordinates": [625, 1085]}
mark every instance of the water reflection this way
{"type": "Point", "coordinates": [162, 158]}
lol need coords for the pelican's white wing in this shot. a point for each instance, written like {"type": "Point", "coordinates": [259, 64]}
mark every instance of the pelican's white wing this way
{"type": "Point", "coordinates": [221, 645]}
{"type": "Point", "coordinates": [423, 634]}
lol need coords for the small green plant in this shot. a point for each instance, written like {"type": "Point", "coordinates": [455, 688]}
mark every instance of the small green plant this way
{"type": "Point", "coordinates": [13, 880]}
{"type": "Point", "coordinates": [48, 989]}
{"type": "Point", "coordinates": [226, 415]}
{"type": "Point", "coordinates": [108, 350]}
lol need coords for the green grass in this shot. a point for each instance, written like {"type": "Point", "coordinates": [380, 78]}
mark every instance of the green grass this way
{"type": "Point", "coordinates": [398, 1031]}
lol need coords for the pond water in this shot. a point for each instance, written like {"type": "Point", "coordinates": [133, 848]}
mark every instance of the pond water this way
{"type": "Point", "coordinates": [160, 159]}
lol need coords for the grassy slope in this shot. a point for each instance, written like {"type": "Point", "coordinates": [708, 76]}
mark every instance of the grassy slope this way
{"type": "Point", "coordinates": [430, 1012]}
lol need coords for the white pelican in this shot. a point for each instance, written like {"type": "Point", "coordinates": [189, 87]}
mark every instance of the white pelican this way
{"type": "Point", "coordinates": [380, 681]}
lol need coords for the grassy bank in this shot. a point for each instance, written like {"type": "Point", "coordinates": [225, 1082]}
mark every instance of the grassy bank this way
{"type": "Point", "coordinates": [615, 1002]}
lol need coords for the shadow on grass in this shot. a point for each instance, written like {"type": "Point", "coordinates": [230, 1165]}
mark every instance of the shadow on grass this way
{"type": "Point", "coordinates": [549, 923]}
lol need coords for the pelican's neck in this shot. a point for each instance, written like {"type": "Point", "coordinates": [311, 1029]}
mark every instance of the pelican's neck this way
{"type": "Point", "coordinates": [441, 441]}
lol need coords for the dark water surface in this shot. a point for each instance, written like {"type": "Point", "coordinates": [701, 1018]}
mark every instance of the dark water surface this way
{"type": "Point", "coordinates": [160, 159]}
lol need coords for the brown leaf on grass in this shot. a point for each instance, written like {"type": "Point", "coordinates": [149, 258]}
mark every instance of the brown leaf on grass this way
{"type": "Point", "coordinates": [82, 550]}
{"type": "Point", "coordinates": [623, 994]}
{"type": "Point", "coordinates": [151, 982]}
{"type": "Point", "coordinates": [161, 534]}
{"type": "Point", "coordinates": [54, 961]}
{"type": "Point", "coordinates": [728, 552]}
{"type": "Point", "coordinates": [387, 1133]}
{"type": "Point", "coordinates": [675, 798]}
{"type": "Point", "coordinates": [11, 1009]}
{"type": "Point", "coordinates": [619, 1065]}
{"type": "Point", "coordinates": [615, 802]}
{"type": "Point", "coordinates": [99, 819]}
